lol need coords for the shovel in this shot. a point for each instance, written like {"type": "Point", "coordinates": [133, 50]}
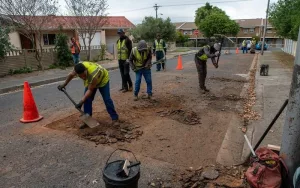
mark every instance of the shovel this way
{"type": "Point", "coordinates": [87, 119]}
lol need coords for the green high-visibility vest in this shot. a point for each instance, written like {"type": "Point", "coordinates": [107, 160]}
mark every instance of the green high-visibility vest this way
{"type": "Point", "coordinates": [159, 45]}
{"type": "Point", "coordinates": [93, 70]}
{"type": "Point", "coordinates": [244, 43]}
{"type": "Point", "coordinates": [139, 60]}
{"type": "Point", "coordinates": [122, 50]}
{"type": "Point", "coordinates": [203, 56]}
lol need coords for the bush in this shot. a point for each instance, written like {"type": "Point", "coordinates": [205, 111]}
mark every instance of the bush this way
{"type": "Point", "coordinates": [102, 52]}
{"type": "Point", "coordinates": [5, 44]}
{"type": "Point", "coordinates": [20, 71]}
{"type": "Point", "coordinates": [64, 55]}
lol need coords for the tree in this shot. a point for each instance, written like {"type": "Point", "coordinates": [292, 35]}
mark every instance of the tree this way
{"type": "Point", "coordinates": [5, 45]}
{"type": "Point", "coordinates": [89, 17]}
{"type": "Point", "coordinates": [203, 12]}
{"type": "Point", "coordinates": [285, 17]}
{"type": "Point", "coordinates": [181, 38]}
{"type": "Point", "coordinates": [29, 17]}
{"type": "Point", "coordinates": [63, 50]}
{"type": "Point", "coordinates": [150, 27]}
{"type": "Point", "coordinates": [212, 20]}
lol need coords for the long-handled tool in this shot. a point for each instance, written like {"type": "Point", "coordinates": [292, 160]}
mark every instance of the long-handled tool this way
{"type": "Point", "coordinates": [88, 120]}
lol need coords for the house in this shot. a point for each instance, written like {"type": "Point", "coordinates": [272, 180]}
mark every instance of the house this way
{"type": "Point", "coordinates": [248, 29]}
{"type": "Point", "coordinates": [107, 34]}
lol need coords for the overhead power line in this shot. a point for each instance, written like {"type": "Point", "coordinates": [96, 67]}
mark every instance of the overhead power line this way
{"type": "Point", "coordinates": [184, 4]}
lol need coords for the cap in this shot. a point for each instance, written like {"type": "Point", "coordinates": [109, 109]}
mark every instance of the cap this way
{"type": "Point", "coordinates": [121, 31]}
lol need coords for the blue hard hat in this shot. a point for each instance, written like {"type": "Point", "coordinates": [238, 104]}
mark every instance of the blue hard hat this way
{"type": "Point", "coordinates": [121, 30]}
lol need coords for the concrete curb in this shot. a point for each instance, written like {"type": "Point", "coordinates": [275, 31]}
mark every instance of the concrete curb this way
{"type": "Point", "coordinates": [40, 82]}
{"type": "Point", "coordinates": [233, 145]}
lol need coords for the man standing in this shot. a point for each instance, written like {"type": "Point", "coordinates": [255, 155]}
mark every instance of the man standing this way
{"type": "Point", "coordinates": [244, 46]}
{"type": "Point", "coordinates": [75, 50]}
{"type": "Point", "coordinates": [124, 46]}
{"type": "Point", "coordinates": [94, 77]}
{"type": "Point", "coordinates": [201, 57]}
{"type": "Point", "coordinates": [160, 51]}
{"type": "Point", "coordinates": [140, 62]}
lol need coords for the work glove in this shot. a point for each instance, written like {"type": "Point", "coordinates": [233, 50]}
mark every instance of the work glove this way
{"type": "Point", "coordinates": [61, 87]}
{"type": "Point", "coordinates": [79, 105]}
{"type": "Point", "coordinates": [217, 54]}
{"type": "Point", "coordinates": [127, 61]}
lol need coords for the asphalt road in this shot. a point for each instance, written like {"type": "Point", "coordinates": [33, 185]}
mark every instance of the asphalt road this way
{"type": "Point", "coordinates": [50, 158]}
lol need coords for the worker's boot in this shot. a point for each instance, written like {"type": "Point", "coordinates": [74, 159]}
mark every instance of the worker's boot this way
{"type": "Point", "coordinates": [130, 88]}
{"type": "Point", "coordinates": [204, 90]}
{"type": "Point", "coordinates": [149, 96]}
{"type": "Point", "coordinates": [136, 98]}
{"type": "Point", "coordinates": [115, 123]}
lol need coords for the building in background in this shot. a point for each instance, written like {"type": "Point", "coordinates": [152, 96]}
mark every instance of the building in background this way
{"type": "Point", "coordinates": [248, 29]}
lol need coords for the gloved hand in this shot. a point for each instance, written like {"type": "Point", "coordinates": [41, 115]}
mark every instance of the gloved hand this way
{"type": "Point", "coordinates": [127, 61]}
{"type": "Point", "coordinates": [217, 54]}
{"type": "Point", "coordinates": [79, 105]}
{"type": "Point", "coordinates": [61, 87]}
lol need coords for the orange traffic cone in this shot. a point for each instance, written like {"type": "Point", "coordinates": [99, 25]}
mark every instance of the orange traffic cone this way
{"type": "Point", "coordinates": [237, 50]}
{"type": "Point", "coordinates": [30, 113]}
{"type": "Point", "coordinates": [179, 64]}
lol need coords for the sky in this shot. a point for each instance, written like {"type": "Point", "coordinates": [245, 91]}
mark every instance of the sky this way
{"type": "Point", "coordinates": [136, 10]}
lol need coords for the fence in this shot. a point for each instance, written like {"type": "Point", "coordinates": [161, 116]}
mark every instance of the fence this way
{"type": "Point", "coordinates": [290, 46]}
{"type": "Point", "coordinates": [17, 59]}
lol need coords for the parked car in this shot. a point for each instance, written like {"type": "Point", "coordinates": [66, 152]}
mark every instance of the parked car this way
{"type": "Point", "coordinates": [248, 45]}
{"type": "Point", "coordinates": [259, 44]}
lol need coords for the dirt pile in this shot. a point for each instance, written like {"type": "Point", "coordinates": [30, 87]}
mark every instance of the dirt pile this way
{"type": "Point", "coordinates": [107, 134]}
{"type": "Point", "coordinates": [213, 176]}
{"type": "Point", "coordinates": [183, 116]}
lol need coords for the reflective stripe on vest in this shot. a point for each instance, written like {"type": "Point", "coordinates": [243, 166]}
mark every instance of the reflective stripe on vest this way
{"type": "Point", "coordinates": [73, 48]}
{"type": "Point", "coordinates": [93, 70]}
{"type": "Point", "coordinates": [159, 46]}
{"type": "Point", "coordinates": [139, 60]}
{"type": "Point", "coordinates": [203, 57]}
{"type": "Point", "coordinates": [122, 50]}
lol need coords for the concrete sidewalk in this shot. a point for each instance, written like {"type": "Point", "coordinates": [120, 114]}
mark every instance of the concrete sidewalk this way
{"type": "Point", "coordinates": [37, 78]}
{"type": "Point", "coordinates": [271, 92]}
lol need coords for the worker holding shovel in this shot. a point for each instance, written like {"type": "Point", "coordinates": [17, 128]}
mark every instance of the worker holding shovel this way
{"type": "Point", "coordinates": [94, 77]}
{"type": "Point", "coordinates": [205, 52]}
{"type": "Point", "coordinates": [140, 62]}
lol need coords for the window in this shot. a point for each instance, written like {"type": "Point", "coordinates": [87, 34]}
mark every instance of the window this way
{"type": "Point", "coordinates": [245, 30]}
{"type": "Point", "coordinates": [269, 31]}
{"type": "Point", "coordinates": [49, 39]}
{"type": "Point", "coordinates": [251, 30]}
{"type": "Point", "coordinates": [187, 32]}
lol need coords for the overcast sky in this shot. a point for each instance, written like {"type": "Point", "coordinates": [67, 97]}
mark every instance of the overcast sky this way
{"type": "Point", "coordinates": [182, 11]}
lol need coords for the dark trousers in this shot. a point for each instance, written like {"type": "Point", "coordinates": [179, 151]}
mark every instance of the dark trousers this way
{"type": "Point", "coordinates": [159, 55]}
{"type": "Point", "coordinates": [124, 70]}
{"type": "Point", "coordinates": [105, 92]}
{"type": "Point", "coordinates": [202, 72]}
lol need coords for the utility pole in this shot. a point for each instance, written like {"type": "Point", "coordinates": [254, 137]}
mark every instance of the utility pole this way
{"type": "Point", "coordinates": [156, 8]}
{"type": "Point", "coordinates": [265, 29]}
{"type": "Point", "coordinates": [290, 147]}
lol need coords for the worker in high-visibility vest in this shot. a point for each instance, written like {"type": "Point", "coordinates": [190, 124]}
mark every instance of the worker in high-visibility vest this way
{"type": "Point", "coordinates": [140, 62]}
{"type": "Point", "coordinates": [124, 46]}
{"type": "Point", "coordinates": [244, 46]}
{"type": "Point", "coordinates": [160, 51]}
{"type": "Point", "coordinates": [201, 57]}
{"type": "Point", "coordinates": [95, 78]}
{"type": "Point", "coordinates": [75, 50]}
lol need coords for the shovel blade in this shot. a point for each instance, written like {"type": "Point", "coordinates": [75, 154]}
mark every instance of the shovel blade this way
{"type": "Point", "coordinates": [91, 122]}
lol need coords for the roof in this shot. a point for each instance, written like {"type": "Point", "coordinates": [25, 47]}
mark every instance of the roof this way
{"type": "Point", "coordinates": [66, 22]}
{"type": "Point", "coordinates": [185, 25]}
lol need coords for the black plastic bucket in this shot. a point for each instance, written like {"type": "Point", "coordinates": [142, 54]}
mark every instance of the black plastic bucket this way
{"type": "Point", "coordinates": [113, 181]}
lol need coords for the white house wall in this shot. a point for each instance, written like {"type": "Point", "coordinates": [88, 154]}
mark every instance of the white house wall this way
{"type": "Point", "coordinates": [95, 42]}
{"type": "Point", "coordinates": [14, 39]}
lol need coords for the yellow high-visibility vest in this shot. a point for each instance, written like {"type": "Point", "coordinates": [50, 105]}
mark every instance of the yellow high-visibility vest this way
{"type": "Point", "coordinates": [93, 70]}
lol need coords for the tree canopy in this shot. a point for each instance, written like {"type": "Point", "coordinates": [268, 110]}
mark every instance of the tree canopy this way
{"type": "Point", "coordinates": [150, 26]}
{"type": "Point", "coordinates": [5, 44]}
{"type": "Point", "coordinates": [212, 20]}
{"type": "Point", "coordinates": [285, 17]}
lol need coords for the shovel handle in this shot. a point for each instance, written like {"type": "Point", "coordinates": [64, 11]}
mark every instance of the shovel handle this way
{"type": "Point", "coordinates": [65, 92]}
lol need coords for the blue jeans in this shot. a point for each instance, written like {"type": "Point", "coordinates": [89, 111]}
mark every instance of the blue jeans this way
{"type": "Point", "coordinates": [105, 92]}
{"type": "Point", "coordinates": [245, 49]}
{"type": "Point", "coordinates": [76, 58]}
{"type": "Point", "coordinates": [138, 79]}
